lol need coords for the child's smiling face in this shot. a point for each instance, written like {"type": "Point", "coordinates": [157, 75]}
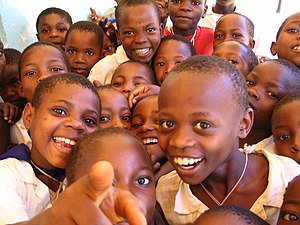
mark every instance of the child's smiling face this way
{"type": "Point", "coordinates": [288, 44]}
{"type": "Point", "coordinates": [140, 32]}
{"type": "Point", "coordinates": [63, 116]}
{"type": "Point", "coordinates": [199, 130]}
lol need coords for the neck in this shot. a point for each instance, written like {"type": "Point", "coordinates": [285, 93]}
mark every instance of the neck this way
{"type": "Point", "coordinates": [223, 9]}
{"type": "Point", "coordinates": [226, 175]}
{"type": "Point", "coordinates": [184, 32]}
{"type": "Point", "coordinates": [256, 135]}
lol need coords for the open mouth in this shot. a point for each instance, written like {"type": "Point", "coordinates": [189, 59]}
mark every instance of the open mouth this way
{"type": "Point", "coordinates": [296, 48]}
{"type": "Point", "coordinates": [150, 141]}
{"type": "Point", "coordinates": [142, 51]}
{"type": "Point", "coordinates": [78, 70]}
{"type": "Point", "coordinates": [187, 163]}
{"type": "Point", "coordinates": [64, 142]}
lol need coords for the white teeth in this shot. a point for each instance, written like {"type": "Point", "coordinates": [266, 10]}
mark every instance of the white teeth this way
{"type": "Point", "coordinates": [142, 50]}
{"type": "Point", "coordinates": [148, 141]}
{"type": "Point", "coordinates": [297, 47]}
{"type": "Point", "coordinates": [65, 140]}
{"type": "Point", "coordinates": [186, 161]}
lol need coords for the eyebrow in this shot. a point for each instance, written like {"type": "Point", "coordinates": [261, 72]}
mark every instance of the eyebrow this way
{"type": "Point", "coordinates": [292, 202]}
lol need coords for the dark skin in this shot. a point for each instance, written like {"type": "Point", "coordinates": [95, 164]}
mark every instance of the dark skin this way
{"type": "Point", "coordinates": [4, 137]}
{"type": "Point", "coordinates": [255, 136]}
{"type": "Point", "coordinates": [220, 9]}
{"type": "Point", "coordinates": [252, 185]}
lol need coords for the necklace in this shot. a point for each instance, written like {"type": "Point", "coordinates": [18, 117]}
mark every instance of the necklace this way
{"type": "Point", "coordinates": [44, 173]}
{"type": "Point", "coordinates": [193, 37]}
{"type": "Point", "coordinates": [233, 188]}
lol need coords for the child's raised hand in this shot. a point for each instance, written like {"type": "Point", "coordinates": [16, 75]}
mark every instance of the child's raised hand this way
{"type": "Point", "coordinates": [94, 16]}
{"type": "Point", "coordinates": [79, 203]}
{"type": "Point", "coordinates": [10, 112]}
{"type": "Point", "coordinates": [141, 92]}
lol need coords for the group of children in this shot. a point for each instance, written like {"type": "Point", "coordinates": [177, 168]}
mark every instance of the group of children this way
{"type": "Point", "coordinates": [187, 137]}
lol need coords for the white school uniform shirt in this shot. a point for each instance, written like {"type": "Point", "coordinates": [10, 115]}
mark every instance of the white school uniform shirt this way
{"type": "Point", "coordinates": [104, 70]}
{"type": "Point", "coordinates": [180, 206]}
{"type": "Point", "coordinates": [22, 194]}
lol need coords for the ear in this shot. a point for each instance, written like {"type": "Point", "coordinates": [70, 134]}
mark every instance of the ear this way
{"type": "Point", "coordinates": [246, 123]}
{"type": "Point", "coordinates": [161, 30]}
{"type": "Point", "coordinates": [252, 43]}
{"type": "Point", "coordinates": [273, 48]}
{"type": "Point", "coordinates": [204, 10]}
{"type": "Point", "coordinates": [118, 36]}
{"type": "Point", "coordinates": [28, 113]}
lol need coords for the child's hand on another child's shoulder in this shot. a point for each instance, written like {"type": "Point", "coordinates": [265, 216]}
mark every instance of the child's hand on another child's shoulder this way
{"type": "Point", "coordinates": [141, 92]}
{"type": "Point", "coordinates": [10, 112]}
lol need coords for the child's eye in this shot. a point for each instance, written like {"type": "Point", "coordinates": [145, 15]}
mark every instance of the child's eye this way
{"type": "Point", "coordinates": [176, 1]}
{"type": "Point", "coordinates": [218, 36]}
{"type": "Point", "coordinates": [272, 95]}
{"type": "Point", "coordinates": [152, 29]}
{"type": "Point", "coordinates": [156, 122]}
{"type": "Point", "coordinates": [15, 82]}
{"type": "Point", "coordinates": [90, 122]}
{"type": "Point", "coordinates": [160, 64]}
{"type": "Point", "coordinates": [232, 61]}
{"type": "Point", "coordinates": [104, 119]}
{"type": "Point", "coordinates": [62, 30]}
{"type": "Point", "coordinates": [292, 30]}
{"type": "Point", "coordinates": [108, 48]}
{"type": "Point", "coordinates": [90, 53]}
{"type": "Point", "coordinates": [45, 31]}
{"type": "Point", "coordinates": [60, 111]}
{"type": "Point", "coordinates": [167, 124]}
{"type": "Point", "coordinates": [284, 137]}
{"type": "Point", "coordinates": [71, 51]}
{"type": "Point", "coordinates": [128, 33]}
{"type": "Point", "coordinates": [178, 62]}
{"type": "Point", "coordinates": [117, 84]}
{"type": "Point", "coordinates": [30, 73]}
{"type": "Point", "coordinates": [143, 181]}
{"type": "Point", "coordinates": [136, 125]}
{"type": "Point", "coordinates": [249, 82]}
{"type": "Point", "coordinates": [202, 125]}
{"type": "Point", "coordinates": [126, 118]}
{"type": "Point", "coordinates": [137, 83]}
{"type": "Point", "coordinates": [237, 35]}
{"type": "Point", "coordinates": [55, 69]}
{"type": "Point", "coordinates": [290, 216]}
{"type": "Point", "coordinates": [196, 3]}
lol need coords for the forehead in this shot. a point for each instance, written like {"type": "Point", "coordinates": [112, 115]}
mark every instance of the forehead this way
{"type": "Point", "coordinates": [292, 190]}
{"type": "Point", "coordinates": [220, 218]}
{"type": "Point", "coordinates": [132, 70]}
{"type": "Point", "coordinates": [147, 103]}
{"type": "Point", "coordinates": [116, 148]}
{"type": "Point", "coordinates": [230, 47]}
{"type": "Point", "coordinates": [82, 38]}
{"type": "Point", "coordinates": [232, 21]}
{"type": "Point", "coordinates": [52, 18]}
{"type": "Point", "coordinates": [174, 47]}
{"type": "Point", "coordinates": [110, 96]}
{"type": "Point", "coordinates": [46, 49]}
{"type": "Point", "coordinates": [290, 108]}
{"type": "Point", "coordinates": [147, 13]}
{"type": "Point", "coordinates": [295, 18]}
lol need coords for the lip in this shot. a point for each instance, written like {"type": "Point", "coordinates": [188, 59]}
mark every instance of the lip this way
{"type": "Point", "coordinates": [64, 144]}
{"type": "Point", "coordinates": [183, 17]}
{"type": "Point", "coordinates": [79, 70]}
{"type": "Point", "coordinates": [188, 170]}
{"type": "Point", "coordinates": [150, 140]}
{"type": "Point", "coordinates": [252, 105]}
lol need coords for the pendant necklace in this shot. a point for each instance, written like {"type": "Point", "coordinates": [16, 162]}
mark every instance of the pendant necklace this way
{"type": "Point", "coordinates": [233, 188]}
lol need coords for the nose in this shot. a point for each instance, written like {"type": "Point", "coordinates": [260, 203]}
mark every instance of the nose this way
{"type": "Point", "coordinates": [43, 75]}
{"type": "Point", "coordinates": [168, 68]}
{"type": "Point", "coordinates": [140, 37]}
{"type": "Point", "coordinates": [53, 33]}
{"type": "Point", "coordinates": [147, 127]}
{"type": "Point", "coordinates": [126, 89]}
{"type": "Point", "coordinates": [79, 58]}
{"type": "Point", "coordinates": [296, 143]}
{"type": "Point", "coordinates": [253, 93]}
{"type": "Point", "coordinates": [117, 122]}
{"type": "Point", "coordinates": [75, 123]}
{"type": "Point", "coordinates": [185, 6]}
{"type": "Point", "coordinates": [182, 139]}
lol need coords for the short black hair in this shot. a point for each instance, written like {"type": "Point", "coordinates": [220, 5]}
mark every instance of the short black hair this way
{"type": "Point", "coordinates": [53, 10]}
{"type": "Point", "coordinates": [48, 84]}
{"type": "Point", "coordinates": [180, 38]}
{"type": "Point", "coordinates": [249, 23]}
{"type": "Point", "coordinates": [245, 216]}
{"type": "Point", "coordinates": [133, 3]}
{"type": "Point", "coordinates": [12, 56]}
{"type": "Point", "coordinates": [42, 43]}
{"type": "Point", "coordinates": [214, 66]}
{"type": "Point", "coordinates": [289, 98]}
{"type": "Point", "coordinates": [149, 75]}
{"type": "Point", "coordinates": [252, 60]}
{"type": "Point", "coordinates": [89, 143]}
{"type": "Point", "coordinates": [87, 26]}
